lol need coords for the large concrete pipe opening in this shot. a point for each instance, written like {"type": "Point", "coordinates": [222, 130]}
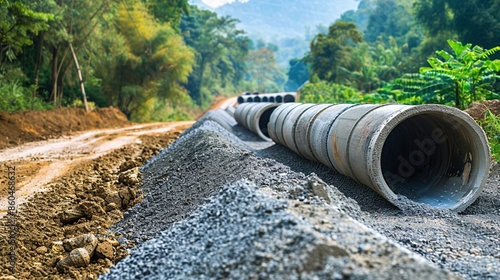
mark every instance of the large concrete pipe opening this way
{"type": "Point", "coordinates": [255, 117]}
{"type": "Point", "coordinates": [240, 100]}
{"type": "Point", "coordinates": [436, 159]}
{"type": "Point", "coordinates": [263, 121]}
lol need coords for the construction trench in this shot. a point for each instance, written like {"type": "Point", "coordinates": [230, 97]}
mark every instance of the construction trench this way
{"type": "Point", "coordinates": [341, 192]}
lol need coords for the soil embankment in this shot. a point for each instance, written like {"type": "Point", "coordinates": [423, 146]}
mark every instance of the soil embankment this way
{"type": "Point", "coordinates": [21, 127]}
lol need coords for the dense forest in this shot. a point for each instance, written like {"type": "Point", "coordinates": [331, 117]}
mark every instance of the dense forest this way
{"type": "Point", "coordinates": [163, 59]}
{"type": "Point", "coordinates": [153, 59]}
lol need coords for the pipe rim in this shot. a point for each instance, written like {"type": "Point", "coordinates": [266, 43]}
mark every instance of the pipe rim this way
{"type": "Point", "coordinates": [254, 115]}
{"type": "Point", "coordinates": [464, 124]}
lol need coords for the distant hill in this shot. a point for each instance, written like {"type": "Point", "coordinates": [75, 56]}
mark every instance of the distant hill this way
{"type": "Point", "coordinates": [289, 24]}
{"type": "Point", "coordinates": [270, 19]}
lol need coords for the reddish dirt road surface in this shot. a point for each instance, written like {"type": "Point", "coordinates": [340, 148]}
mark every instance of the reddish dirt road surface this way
{"type": "Point", "coordinates": [92, 175]}
{"type": "Point", "coordinates": [39, 163]}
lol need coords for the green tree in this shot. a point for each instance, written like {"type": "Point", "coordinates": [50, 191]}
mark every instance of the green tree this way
{"type": "Point", "coordinates": [263, 71]}
{"type": "Point", "coordinates": [17, 26]}
{"type": "Point", "coordinates": [333, 50]}
{"type": "Point", "coordinates": [220, 50]}
{"type": "Point", "coordinates": [169, 11]}
{"type": "Point", "coordinates": [298, 74]}
{"type": "Point", "coordinates": [474, 21]}
{"type": "Point", "coordinates": [391, 18]}
{"type": "Point", "coordinates": [150, 62]}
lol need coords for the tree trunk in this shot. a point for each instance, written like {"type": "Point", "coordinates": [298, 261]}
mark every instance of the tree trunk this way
{"type": "Point", "coordinates": [55, 72]}
{"type": "Point", "coordinates": [80, 78]}
{"type": "Point", "coordinates": [83, 41]}
{"type": "Point", "coordinates": [38, 61]}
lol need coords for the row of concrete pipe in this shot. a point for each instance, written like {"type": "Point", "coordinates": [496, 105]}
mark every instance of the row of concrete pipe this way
{"type": "Point", "coordinates": [431, 154]}
{"type": "Point", "coordinates": [283, 97]}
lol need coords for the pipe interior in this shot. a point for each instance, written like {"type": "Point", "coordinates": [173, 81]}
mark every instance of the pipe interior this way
{"type": "Point", "coordinates": [256, 99]}
{"type": "Point", "coordinates": [264, 120]}
{"type": "Point", "coordinates": [279, 99]}
{"type": "Point", "coordinates": [289, 98]}
{"type": "Point", "coordinates": [271, 99]}
{"type": "Point", "coordinates": [240, 100]}
{"type": "Point", "coordinates": [265, 99]}
{"type": "Point", "coordinates": [249, 99]}
{"type": "Point", "coordinates": [430, 159]}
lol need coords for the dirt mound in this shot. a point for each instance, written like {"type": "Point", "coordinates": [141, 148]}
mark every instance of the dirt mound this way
{"type": "Point", "coordinates": [27, 126]}
{"type": "Point", "coordinates": [477, 110]}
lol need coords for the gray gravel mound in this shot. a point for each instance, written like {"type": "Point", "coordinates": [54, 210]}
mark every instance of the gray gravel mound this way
{"type": "Point", "coordinates": [194, 169]}
{"type": "Point", "coordinates": [244, 233]}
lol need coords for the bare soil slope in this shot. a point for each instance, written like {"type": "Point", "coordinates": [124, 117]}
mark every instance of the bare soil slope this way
{"type": "Point", "coordinates": [22, 127]}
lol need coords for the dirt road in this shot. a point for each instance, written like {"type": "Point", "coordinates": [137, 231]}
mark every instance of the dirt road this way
{"type": "Point", "coordinates": [39, 163]}
{"type": "Point", "coordinates": [94, 172]}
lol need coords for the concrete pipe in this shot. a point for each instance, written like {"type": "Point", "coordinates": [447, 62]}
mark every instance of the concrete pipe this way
{"type": "Point", "coordinates": [430, 154]}
{"type": "Point", "coordinates": [303, 130]}
{"type": "Point", "coordinates": [289, 127]}
{"type": "Point", "coordinates": [221, 117]}
{"type": "Point", "coordinates": [289, 97]}
{"type": "Point", "coordinates": [240, 99]}
{"type": "Point", "coordinates": [255, 117]}
{"type": "Point", "coordinates": [283, 97]}
{"type": "Point", "coordinates": [230, 110]}
{"type": "Point", "coordinates": [276, 122]}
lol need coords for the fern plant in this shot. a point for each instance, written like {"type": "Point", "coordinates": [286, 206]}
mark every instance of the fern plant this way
{"type": "Point", "coordinates": [457, 79]}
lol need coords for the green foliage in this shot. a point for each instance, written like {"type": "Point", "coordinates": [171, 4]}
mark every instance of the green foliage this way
{"type": "Point", "coordinates": [389, 18]}
{"type": "Point", "coordinates": [17, 25]}
{"type": "Point", "coordinates": [455, 79]}
{"type": "Point", "coordinates": [491, 125]}
{"type": "Point", "coordinates": [263, 72]}
{"type": "Point", "coordinates": [474, 21]}
{"type": "Point", "coordinates": [220, 53]}
{"type": "Point", "coordinates": [324, 92]}
{"type": "Point", "coordinates": [14, 97]}
{"type": "Point", "coordinates": [169, 11]}
{"type": "Point", "coordinates": [331, 51]}
{"type": "Point", "coordinates": [148, 63]}
{"type": "Point", "coordinates": [298, 74]}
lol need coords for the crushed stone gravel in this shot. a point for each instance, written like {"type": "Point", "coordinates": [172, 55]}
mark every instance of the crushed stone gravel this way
{"type": "Point", "coordinates": [200, 173]}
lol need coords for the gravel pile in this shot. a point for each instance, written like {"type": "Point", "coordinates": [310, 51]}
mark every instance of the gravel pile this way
{"type": "Point", "coordinates": [199, 220]}
{"type": "Point", "coordinates": [246, 233]}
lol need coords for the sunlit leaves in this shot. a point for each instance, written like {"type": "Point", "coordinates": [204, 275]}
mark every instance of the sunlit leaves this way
{"type": "Point", "coordinates": [153, 62]}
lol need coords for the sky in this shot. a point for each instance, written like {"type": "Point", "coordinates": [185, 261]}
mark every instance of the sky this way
{"type": "Point", "coordinates": [217, 3]}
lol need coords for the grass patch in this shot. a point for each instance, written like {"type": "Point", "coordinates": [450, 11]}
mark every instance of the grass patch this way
{"type": "Point", "coordinates": [491, 125]}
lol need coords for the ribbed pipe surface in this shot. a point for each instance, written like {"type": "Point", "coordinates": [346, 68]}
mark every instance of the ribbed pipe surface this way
{"type": "Point", "coordinates": [255, 117]}
{"type": "Point", "coordinates": [431, 154]}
